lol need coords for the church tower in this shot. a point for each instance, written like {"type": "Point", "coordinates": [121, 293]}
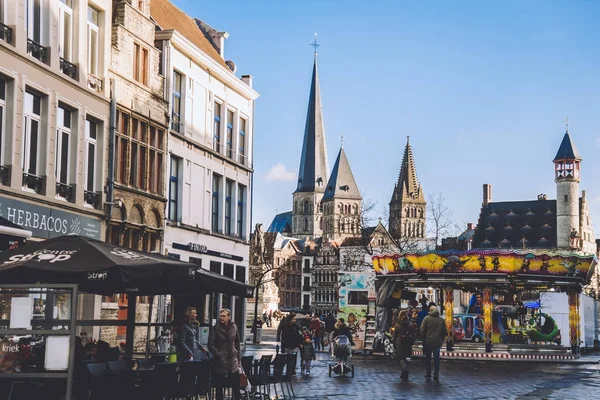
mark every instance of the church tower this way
{"type": "Point", "coordinates": [307, 212]}
{"type": "Point", "coordinates": [567, 174]}
{"type": "Point", "coordinates": [408, 205]}
{"type": "Point", "coordinates": [342, 202]}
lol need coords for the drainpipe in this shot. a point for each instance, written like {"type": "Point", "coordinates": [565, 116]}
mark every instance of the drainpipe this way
{"type": "Point", "coordinates": [111, 155]}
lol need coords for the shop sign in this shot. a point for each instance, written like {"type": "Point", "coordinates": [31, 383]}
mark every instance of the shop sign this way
{"type": "Point", "coordinates": [45, 222]}
{"type": "Point", "coordinates": [203, 249]}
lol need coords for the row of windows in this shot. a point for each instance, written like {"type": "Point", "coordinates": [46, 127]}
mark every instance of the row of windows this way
{"type": "Point", "coordinates": [288, 299]}
{"type": "Point", "coordinates": [229, 131]}
{"type": "Point", "coordinates": [413, 212]}
{"type": "Point", "coordinates": [35, 116]}
{"type": "Point", "coordinates": [222, 212]}
{"type": "Point", "coordinates": [38, 24]}
{"type": "Point", "coordinates": [140, 153]}
{"type": "Point", "coordinates": [325, 277]}
{"type": "Point", "coordinates": [325, 296]}
{"type": "Point", "coordinates": [414, 229]}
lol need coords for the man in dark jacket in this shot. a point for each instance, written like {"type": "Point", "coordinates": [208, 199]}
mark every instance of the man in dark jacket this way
{"type": "Point", "coordinates": [224, 344]}
{"type": "Point", "coordinates": [433, 331]}
{"type": "Point", "coordinates": [291, 335]}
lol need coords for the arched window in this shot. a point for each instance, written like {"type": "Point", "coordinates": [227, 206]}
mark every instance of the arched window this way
{"type": "Point", "coordinates": [321, 223]}
{"type": "Point", "coordinates": [320, 206]}
{"type": "Point", "coordinates": [343, 227]}
{"type": "Point", "coordinates": [306, 207]}
{"type": "Point", "coordinates": [407, 212]}
{"type": "Point", "coordinates": [420, 213]}
{"type": "Point", "coordinates": [305, 226]}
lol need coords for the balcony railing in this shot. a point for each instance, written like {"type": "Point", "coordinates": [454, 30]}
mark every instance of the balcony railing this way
{"type": "Point", "coordinates": [68, 68]}
{"type": "Point", "coordinates": [31, 181]}
{"type": "Point", "coordinates": [216, 145]}
{"type": "Point", "coordinates": [94, 82]}
{"type": "Point", "coordinates": [64, 191]}
{"type": "Point", "coordinates": [37, 50]}
{"type": "Point", "coordinates": [242, 159]}
{"type": "Point", "coordinates": [176, 125]}
{"type": "Point", "coordinates": [6, 33]}
{"type": "Point", "coordinates": [229, 150]}
{"type": "Point", "coordinates": [91, 198]}
{"type": "Point", "coordinates": [4, 174]}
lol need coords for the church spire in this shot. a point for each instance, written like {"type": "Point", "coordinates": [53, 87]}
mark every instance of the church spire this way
{"type": "Point", "coordinates": [341, 184]}
{"type": "Point", "coordinates": [408, 184]}
{"type": "Point", "coordinates": [312, 175]}
{"type": "Point", "coordinates": [407, 215]}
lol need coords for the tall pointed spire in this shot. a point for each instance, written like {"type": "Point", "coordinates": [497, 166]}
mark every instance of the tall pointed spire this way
{"type": "Point", "coordinates": [312, 175]}
{"type": "Point", "coordinates": [341, 184]}
{"type": "Point", "coordinates": [408, 184]}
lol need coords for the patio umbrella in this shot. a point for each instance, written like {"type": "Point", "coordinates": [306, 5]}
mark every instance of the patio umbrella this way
{"type": "Point", "coordinates": [103, 268]}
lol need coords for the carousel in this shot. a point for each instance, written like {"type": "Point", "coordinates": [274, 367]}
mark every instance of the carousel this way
{"type": "Point", "coordinates": [501, 318]}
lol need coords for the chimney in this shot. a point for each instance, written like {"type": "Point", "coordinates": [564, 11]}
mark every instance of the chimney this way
{"type": "Point", "coordinates": [469, 226]}
{"type": "Point", "coordinates": [217, 38]}
{"type": "Point", "coordinates": [247, 79]}
{"type": "Point", "coordinates": [487, 194]}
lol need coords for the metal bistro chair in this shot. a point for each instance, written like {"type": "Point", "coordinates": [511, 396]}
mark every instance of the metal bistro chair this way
{"type": "Point", "coordinates": [186, 387]}
{"type": "Point", "coordinates": [277, 376]}
{"type": "Point", "coordinates": [290, 371]}
{"type": "Point", "coordinates": [260, 379]}
{"type": "Point", "coordinates": [248, 365]}
{"type": "Point", "coordinates": [99, 384]}
{"type": "Point", "coordinates": [164, 380]}
{"type": "Point", "coordinates": [203, 382]}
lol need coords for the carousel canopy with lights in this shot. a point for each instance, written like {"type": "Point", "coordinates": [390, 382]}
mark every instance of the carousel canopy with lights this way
{"type": "Point", "coordinates": [512, 269]}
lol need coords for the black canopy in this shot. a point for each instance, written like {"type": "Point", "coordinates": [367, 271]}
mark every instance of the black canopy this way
{"type": "Point", "coordinates": [102, 268]}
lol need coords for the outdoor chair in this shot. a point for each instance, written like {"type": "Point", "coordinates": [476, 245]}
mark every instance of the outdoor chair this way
{"type": "Point", "coordinates": [248, 365]}
{"type": "Point", "coordinates": [188, 374]}
{"type": "Point", "coordinates": [260, 380]}
{"type": "Point", "coordinates": [163, 381]}
{"type": "Point", "coordinates": [290, 371]}
{"type": "Point", "coordinates": [100, 386]}
{"type": "Point", "coordinates": [203, 378]}
{"type": "Point", "coordinates": [22, 390]}
{"type": "Point", "coordinates": [277, 376]}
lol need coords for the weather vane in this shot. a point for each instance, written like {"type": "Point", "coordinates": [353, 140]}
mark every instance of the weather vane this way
{"type": "Point", "coordinates": [567, 122]}
{"type": "Point", "coordinates": [342, 139]}
{"type": "Point", "coordinates": [315, 45]}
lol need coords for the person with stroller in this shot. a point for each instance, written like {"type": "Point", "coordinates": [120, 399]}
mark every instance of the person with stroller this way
{"type": "Point", "coordinates": [404, 338]}
{"type": "Point", "coordinates": [308, 355]}
{"type": "Point", "coordinates": [341, 329]}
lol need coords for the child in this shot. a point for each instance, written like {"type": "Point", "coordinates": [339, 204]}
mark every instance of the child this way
{"type": "Point", "coordinates": [308, 354]}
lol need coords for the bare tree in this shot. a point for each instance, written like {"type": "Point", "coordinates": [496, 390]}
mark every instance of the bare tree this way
{"type": "Point", "coordinates": [440, 223]}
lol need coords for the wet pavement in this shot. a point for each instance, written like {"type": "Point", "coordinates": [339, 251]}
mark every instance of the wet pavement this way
{"type": "Point", "coordinates": [379, 378]}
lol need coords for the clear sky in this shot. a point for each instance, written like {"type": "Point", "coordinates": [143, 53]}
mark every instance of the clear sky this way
{"type": "Point", "coordinates": [482, 88]}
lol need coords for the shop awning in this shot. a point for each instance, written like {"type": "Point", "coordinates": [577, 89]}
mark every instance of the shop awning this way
{"type": "Point", "coordinates": [102, 268]}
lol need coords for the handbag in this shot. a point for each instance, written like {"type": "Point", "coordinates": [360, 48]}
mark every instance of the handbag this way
{"type": "Point", "coordinates": [243, 378]}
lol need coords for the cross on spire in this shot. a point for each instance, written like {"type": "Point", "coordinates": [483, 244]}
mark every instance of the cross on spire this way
{"type": "Point", "coordinates": [567, 123]}
{"type": "Point", "coordinates": [342, 139]}
{"type": "Point", "coordinates": [315, 45]}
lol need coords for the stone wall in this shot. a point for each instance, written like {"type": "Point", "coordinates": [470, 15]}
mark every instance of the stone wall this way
{"type": "Point", "coordinates": [109, 311]}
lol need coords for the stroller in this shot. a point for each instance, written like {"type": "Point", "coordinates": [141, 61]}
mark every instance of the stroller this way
{"type": "Point", "coordinates": [342, 352]}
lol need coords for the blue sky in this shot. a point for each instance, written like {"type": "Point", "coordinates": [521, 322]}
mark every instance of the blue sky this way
{"type": "Point", "coordinates": [482, 88]}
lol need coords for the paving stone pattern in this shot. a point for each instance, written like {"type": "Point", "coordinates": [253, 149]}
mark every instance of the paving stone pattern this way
{"type": "Point", "coordinates": [379, 378]}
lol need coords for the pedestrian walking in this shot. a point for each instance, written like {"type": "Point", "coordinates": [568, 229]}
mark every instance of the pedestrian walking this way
{"type": "Point", "coordinates": [291, 335]}
{"type": "Point", "coordinates": [404, 338]}
{"type": "Point", "coordinates": [315, 330]}
{"type": "Point", "coordinates": [188, 338]}
{"type": "Point", "coordinates": [433, 332]}
{"type": "Point", "coordinates": [329, 327]}
{"type": "Point", "coordinates": [322, 335]}
{"type": "Point", "coordinates": [308, 355]}
{"type": "Point", "coordinates": [224, 344]}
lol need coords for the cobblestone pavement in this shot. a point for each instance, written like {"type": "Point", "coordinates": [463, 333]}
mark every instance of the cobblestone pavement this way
{"type": "Point", "coordinates": [379, 378]}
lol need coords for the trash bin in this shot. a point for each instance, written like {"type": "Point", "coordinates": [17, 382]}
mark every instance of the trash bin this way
{"type": "Point", "coordinates": [258, 334]}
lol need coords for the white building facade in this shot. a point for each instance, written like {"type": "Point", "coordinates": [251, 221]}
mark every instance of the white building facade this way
{"type": "Point", "coordinates": [209, 168]}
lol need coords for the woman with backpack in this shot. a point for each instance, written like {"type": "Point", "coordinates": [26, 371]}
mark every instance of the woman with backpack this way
{"type": "Point", "coordinates": [404, 338]}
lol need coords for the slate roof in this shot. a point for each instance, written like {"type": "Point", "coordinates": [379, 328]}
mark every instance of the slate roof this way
{"type": "Point", "coordinates": [567, 149]}
{"type": "Point", "coordinates": [282, 223]}
{"type": "Point", "coordinates": [408, 185]}
{"type": "Point", "coordinates": [313, 172]}
{"type": "Point", "coordinates": [341, 183]}
{"type": "Point", "coordinates": [168, 16]}
{"type": "Point", "coordinates": [517, 224]}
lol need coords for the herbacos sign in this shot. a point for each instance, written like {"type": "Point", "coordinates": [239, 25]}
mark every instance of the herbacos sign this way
{"type": "Point", "coordinates": [45, 222]}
